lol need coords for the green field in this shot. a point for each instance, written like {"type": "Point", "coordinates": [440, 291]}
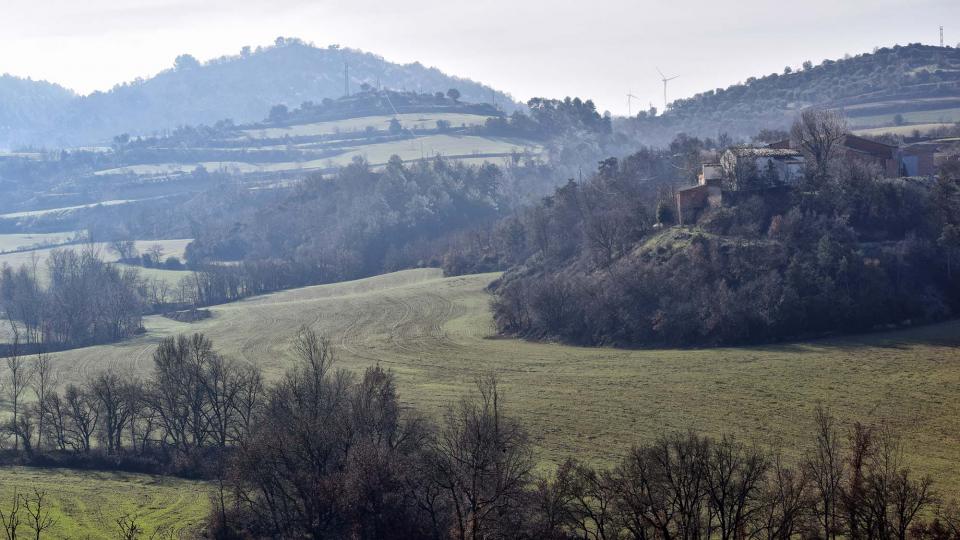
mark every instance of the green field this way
{"type": "Point", "coordinates": [382, 122]}
{"type": "Point", "coordinates": [376, 154]}
{"type": "Point", "coordinates": [87, 504]}
{"type": "Point", "coordinates": [436, 334]}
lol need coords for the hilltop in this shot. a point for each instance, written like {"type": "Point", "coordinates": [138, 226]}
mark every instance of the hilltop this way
{"type": "Point", "coordinates": [901, 85]}
{"type": "Point", "coordinates": [242, 88]}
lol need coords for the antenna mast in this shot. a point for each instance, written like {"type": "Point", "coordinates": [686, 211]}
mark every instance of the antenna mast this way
{"type": "Point", "coordinates": [941, 36]}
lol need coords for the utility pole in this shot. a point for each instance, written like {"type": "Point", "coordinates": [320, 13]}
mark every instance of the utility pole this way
{"type": "Point", "coordinates": [941, 36]}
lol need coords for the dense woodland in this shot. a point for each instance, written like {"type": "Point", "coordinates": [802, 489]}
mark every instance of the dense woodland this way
{"type": "Point", "coordinates": [327, 453]}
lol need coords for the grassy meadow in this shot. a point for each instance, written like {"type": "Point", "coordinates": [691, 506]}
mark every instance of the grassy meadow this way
{"type": "Point", "coordinates": [436, 334]}
{"type": "Point", "coordinates": [87, 504]}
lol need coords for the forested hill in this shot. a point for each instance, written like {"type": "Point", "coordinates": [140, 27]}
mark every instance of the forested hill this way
{"type": "Point", "coordinates": [242, 88]}
{"type": "Point", "coordinates": [902, 84]}
{"type": "Point", "coordinates": [25, 102]}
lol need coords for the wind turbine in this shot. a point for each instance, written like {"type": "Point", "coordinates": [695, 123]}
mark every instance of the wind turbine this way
{"type": "Point", "coordinates": [629, 109]}
{"type": "Point", "coordinates": [665, 80]}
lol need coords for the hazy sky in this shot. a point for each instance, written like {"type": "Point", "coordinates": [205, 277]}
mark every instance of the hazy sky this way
{"type": "Point", "coordinates": [599, 49]}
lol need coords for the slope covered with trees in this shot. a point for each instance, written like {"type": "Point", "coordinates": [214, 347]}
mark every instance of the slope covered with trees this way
{"type": "Point", "coordinates": [872, 88]}
{"type": "Point", "coordinates": [599, 263]}
{"type": "Point", "coordinates": [28, 104]}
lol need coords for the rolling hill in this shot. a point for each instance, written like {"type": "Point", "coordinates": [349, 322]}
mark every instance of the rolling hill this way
{"type": "Point", "coordinates": [242, 88]}
{"type": "Point", "coordinates": [437, 334]}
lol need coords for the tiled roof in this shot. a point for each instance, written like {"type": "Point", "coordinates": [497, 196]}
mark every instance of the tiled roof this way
{"type": "Point", "coordinates": [750, 151]}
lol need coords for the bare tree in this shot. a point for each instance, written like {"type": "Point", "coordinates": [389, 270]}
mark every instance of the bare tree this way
{"type": "Point", "coordinates": [125, 249]}
{"type": "Point", "coordinates": [825, 468]}
{"type": "Point", "coordinates": [734, 476]}
{"type": "Point", "coordinates": [38, 513]}
{"type": "Point", "coordinates": [43, 381]}
{"type": "Point", "coordinates": [819, 133]}
{"type": "Point", "coordinates": [19, 379]}
{"type": "Point", "coordinates": [83, 417]}
{"type": "Point", "coordinates": [155, 251]}
{"type": "Point", "coordinates": [11, 518]}
{"type": "Point", "coordinates": [128, 527]}
{"type": "Point", "coordinates": [786, 500]}
{"type": "Point", "coordinates": [111, 392]}
{"type": "Point", "coordinates": [483, 462]}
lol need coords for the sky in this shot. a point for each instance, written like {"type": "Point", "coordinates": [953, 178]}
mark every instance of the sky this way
{"type": "Point", "coordinates": [597, 49]}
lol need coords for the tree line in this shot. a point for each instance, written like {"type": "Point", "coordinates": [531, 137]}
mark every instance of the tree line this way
{"type": "Point", "coordinates": [327, 453]}
{"type": "Point", "coordinates": [85, 301]}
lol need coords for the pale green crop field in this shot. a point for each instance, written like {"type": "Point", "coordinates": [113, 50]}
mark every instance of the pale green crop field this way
{"type": "Point", "coordinates": [938, 116]}
{"type": "Point", "coordinates": [433, 145]}
{"type": "Point", "coordinates": [21, 241]}
{"type": "Point", "coordinates": [436, 334]}
{"type": "Point", "coordinates": [62, 210]}
{"type": "Point", "coordinates": [87, 504]}
{"type": "Point", "coordinates": [901, 130]}
{"type": "Point", "coordinates": [382, 122]}
{"type": "Point", "coordinates": [376, 154]}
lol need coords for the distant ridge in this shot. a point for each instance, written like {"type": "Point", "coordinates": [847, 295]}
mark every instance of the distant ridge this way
{"type": "Point", "coordinates": [242, 88]}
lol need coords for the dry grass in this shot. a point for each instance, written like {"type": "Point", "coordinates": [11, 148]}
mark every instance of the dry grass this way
{"type": "Point", "coordinates": [436, 334]}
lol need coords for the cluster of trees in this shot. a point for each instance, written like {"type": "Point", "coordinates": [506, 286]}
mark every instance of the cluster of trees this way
{"type": "Point", "coordinates": [549, 118]}
{"type": "Point", "coordinates": [86, 301]}
{"type": "Point", "coordinates": [849, 251]}
{"type": "Point", "coordinates": [360, 222]}
{"type": "Point", "coordinates": [196, 404]}
{"type": "Point", "coordinates": [370, 101]}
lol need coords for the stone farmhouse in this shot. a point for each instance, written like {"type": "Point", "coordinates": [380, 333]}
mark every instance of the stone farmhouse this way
{"type": "Point", "coordinates": [779, 166]}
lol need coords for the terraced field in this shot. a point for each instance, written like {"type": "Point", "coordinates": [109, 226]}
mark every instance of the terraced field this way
{"type": "Point", "coordinates": [455, 146]}
{"type": "Point", "coordinates": [87, 504]}
{"type": "Point", "coordinates": [382, 122]}
{"type": "Point", "coordinates": [907, 129]}
{"type": "Point", "coordinates": [436, 334]}
{"type": "Point", "coordinates": [915, 117]}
